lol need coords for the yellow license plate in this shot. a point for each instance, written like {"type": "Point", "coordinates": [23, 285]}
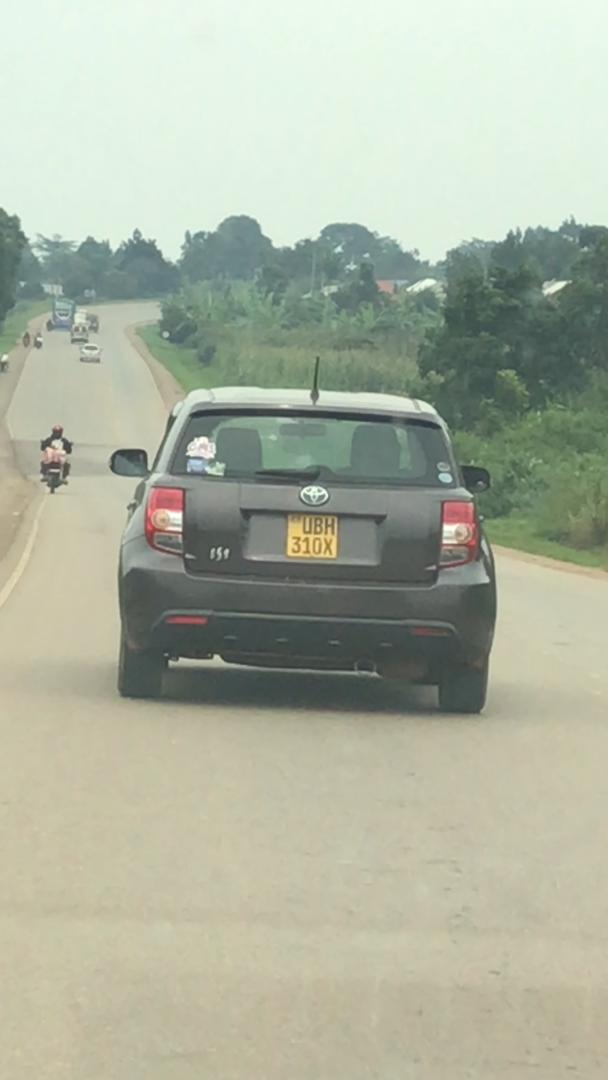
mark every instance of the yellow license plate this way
{"type": "Point", "coordinates": [312, 536]}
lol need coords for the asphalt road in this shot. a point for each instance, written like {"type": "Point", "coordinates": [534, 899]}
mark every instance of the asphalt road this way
{"type": "Point", "coordinates": [274, 877]}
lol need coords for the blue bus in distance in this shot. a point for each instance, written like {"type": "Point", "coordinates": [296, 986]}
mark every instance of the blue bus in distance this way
{"type": "Point", "coordinates": [62, 314]}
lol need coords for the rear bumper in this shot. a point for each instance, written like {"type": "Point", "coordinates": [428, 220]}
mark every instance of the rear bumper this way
{"type": "Point", "coordinates": [336, 625]}
{"type": "Point", "coordinates": [288, 641]}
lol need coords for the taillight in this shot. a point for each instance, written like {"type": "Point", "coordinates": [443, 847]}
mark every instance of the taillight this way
{"type": "Point", "coordinates": [165, 519]}
{"type": "Point", "coordinates": [459, 534]}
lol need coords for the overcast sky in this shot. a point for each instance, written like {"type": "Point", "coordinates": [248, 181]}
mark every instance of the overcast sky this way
{"type": "Point", "coordinates": [430, 120]}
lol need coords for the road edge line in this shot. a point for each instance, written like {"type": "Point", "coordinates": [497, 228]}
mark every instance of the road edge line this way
{"type": "Point", "coordinates": [26, 350]}
{"type": "Point", "coordinates": [15, 577]}
{"type": "Point", "coordinates": [547, 562]}
{"type": "Point", "coordinates": [167, 385]}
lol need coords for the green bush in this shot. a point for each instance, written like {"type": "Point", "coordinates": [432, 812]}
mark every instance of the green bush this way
{"type": "Point", "coordinates": [574, 508]}
{"type": "Point", "coordinates": [547, 465]}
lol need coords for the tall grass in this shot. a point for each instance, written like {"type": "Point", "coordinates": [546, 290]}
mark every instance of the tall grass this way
{"type": "Point", "coordinates": [180, 360]}
{"type": "Point", "coordinates": [549, 468]}
{"type": "Point", "coordinates": [15, 323]}
{"type": "Point", "coordinates": [292, 366]}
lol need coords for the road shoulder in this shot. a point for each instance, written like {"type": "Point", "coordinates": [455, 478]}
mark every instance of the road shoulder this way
{"type": "Point", "coordinates": [549, 563]}
{"type": "Point", "coordinates": [17, 493]}
{"type": "Point", "coordinates": [168, 387]}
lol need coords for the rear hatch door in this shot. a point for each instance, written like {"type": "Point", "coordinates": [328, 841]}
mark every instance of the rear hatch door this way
{"type": "Point", "coordinates": [264, 529]}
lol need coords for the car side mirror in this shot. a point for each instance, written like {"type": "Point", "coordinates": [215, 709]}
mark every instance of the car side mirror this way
{"type": "Point", "coordinates": [475, 479]}
{"type": "Point", "coordinates": [129, 463]}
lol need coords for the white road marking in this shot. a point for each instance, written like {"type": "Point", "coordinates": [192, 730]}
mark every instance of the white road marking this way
{"type": "Point", "coordinates": [19, 570]}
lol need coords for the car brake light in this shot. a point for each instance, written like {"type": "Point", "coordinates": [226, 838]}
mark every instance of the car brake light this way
{"type": "Point", "coordinates": [186, 620]}
{"type": "Point", "coordinates": [165, 519]}
{"type": "Point", "coordinates": [459, 534]}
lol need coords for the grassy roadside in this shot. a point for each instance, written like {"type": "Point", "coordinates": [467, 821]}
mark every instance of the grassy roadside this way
{"type": "Point", "coordinates": [179, 360]}
{"type": "Point", "coordinates": [17, 320]}
{"type": "Point", "coordinates": [16, 493]}
{"type": "Point", "coordinates": [519, 533]}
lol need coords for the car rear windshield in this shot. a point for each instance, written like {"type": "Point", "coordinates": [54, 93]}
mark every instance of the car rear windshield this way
{"type": "Point", "coordinates": [352, 448]}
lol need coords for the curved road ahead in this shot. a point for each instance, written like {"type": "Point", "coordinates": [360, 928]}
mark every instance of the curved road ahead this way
{"type": "Point", "coordinates": [275, 877]}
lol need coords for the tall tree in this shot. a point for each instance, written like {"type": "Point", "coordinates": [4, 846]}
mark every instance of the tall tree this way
{"type": "Point", "coordinates": [584, 304]}
{"type": "Point", "coordinates": [145, 268]}
{"type": "Point", "coordinates": [54, 253]}
{"type": "Point", "coordinates": [98, 256]}
{"type": "Point", "coordinates": [391, 261]}
{"type": "Point", "coordinates": [12, 243]}
{"type": "Point", "coordinates": [29, 274]}
{"type": "Point", "coordinates": [355, 241]}
{"type": "Point", "coordinates": [237, 250]}
{"type": "Point", "coordinates": [494, 323]}
{"type": "Point", "coordinates": [361, 289]}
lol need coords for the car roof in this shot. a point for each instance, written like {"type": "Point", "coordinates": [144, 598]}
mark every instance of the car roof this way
{"type": "Point", "coordinates": [260, 397]}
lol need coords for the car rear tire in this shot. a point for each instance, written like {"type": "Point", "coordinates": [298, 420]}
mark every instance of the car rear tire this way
{"type": "Point", "coordinates": [464, 689]}
{"type": "Point", "coordinates": [140, 674]}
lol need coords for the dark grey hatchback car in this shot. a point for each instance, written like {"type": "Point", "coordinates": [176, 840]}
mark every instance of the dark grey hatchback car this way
{"type": "Point", "coordinates": [282, 530]}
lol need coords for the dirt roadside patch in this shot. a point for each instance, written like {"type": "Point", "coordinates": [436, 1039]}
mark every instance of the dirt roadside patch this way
{"type": "Point", "coordinates": [16, 492]}
{"type": "Point", "coordinates": [549, 563]}
{"type": "Point", "coordinates": [168, 387]}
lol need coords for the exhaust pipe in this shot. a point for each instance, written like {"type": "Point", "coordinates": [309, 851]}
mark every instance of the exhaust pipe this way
{"type": "Point", "coordinates": [366, 667]}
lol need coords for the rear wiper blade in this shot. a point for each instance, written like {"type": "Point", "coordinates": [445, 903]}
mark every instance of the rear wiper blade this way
{"type": "Point", "coordinates": [291, 474]}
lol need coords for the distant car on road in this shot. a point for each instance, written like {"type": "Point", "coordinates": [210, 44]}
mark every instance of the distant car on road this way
{"type": "Point", "coordinates": [90, 353]}
{"type": "Point", "coordinates": [79, 332]}
{"type": "Point", "coordinates": [280, 531]}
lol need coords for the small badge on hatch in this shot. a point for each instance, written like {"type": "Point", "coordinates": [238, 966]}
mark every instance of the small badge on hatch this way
{"type": "Point", "coordinates": [313, 495]}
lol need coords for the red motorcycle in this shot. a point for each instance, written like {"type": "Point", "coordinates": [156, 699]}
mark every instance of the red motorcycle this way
{"type": "Point", "coordinates": [53, 466]}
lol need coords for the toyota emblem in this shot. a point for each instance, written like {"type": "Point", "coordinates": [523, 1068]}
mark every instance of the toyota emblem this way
{"type": "Point", "coordinates": [314, 495]}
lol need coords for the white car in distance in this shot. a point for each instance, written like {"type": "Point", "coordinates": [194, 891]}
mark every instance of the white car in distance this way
{"type": "Point", "coordinates": [90, 353]}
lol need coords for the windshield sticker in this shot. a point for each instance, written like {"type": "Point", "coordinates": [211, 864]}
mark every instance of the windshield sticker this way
{"type": "Point", "coordinates": [201, 447]}
{"type": "Point", "coordinates": [205, 468]}
{"type": "Point", "coordinates": [443, 466]}
{"type": "Point", "coordinates": [196, 465]}
{"type": "Point", "coordinates": [217, 468]}
{"type": "Point", "coordinates": [446, 478]}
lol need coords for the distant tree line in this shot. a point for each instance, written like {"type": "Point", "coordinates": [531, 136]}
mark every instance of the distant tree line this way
{"type": "Point", "coordinates": [519, 369]}
{"type": "Point", "coordinates": [498, 345]}
{"type": "Point", "coordinates": [137, 268]}
{"type": "Point", "coordinates": [238, 250]}
{"type": "Point", "coordinates": [505, 346]}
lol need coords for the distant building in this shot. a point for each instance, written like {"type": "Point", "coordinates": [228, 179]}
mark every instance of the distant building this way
{"type": "Point", "coordinates": [428, 284]}
{"type": "Point", "coordinates": [392, 286]}
{"type": "Point", "coordinates": [389, 288]}
{"type": "Point", "coordinates": [552, 288]}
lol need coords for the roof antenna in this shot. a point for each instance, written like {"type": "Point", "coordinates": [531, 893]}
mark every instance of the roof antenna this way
{"type": "Point", "coordinates": [314, 393]}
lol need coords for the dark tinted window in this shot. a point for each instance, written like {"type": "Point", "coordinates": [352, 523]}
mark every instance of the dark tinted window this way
{"type": "Point", "coordinates": [355, 449]}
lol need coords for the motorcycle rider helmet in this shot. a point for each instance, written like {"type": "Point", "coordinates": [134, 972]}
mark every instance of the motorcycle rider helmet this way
{"type": "Point", "coordinates": [57, 429]}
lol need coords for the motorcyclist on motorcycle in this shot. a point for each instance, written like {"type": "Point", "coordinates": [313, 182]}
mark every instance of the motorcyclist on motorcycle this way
{"type": "Point", "coordinates": [56, 436]}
